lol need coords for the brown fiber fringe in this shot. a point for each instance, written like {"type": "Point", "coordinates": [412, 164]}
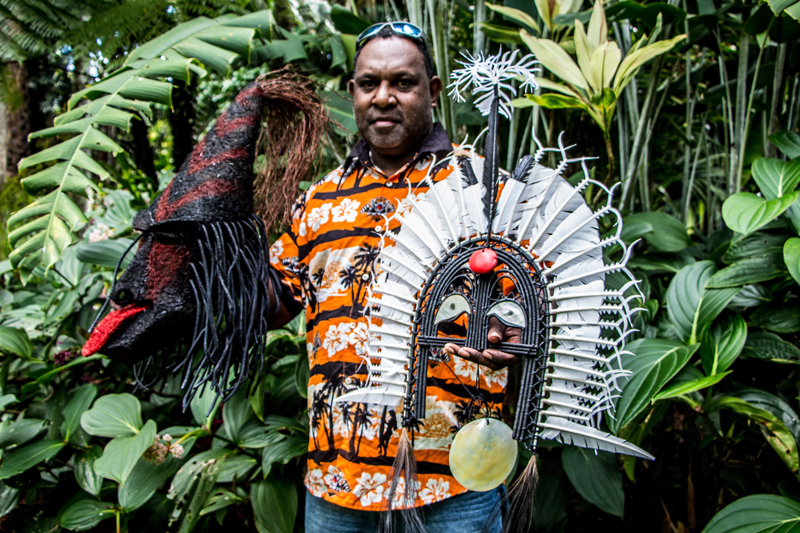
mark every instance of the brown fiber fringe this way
{"type": "Point", "coordinates": [296, 121]}
{"type": "Point", "coordinates": [405, 467]}
{"type": "Point", "coordinates": [521, 500]}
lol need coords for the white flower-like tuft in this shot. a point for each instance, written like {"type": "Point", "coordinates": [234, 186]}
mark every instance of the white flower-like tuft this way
{"type": "Point", "coordinates": [493, 72]}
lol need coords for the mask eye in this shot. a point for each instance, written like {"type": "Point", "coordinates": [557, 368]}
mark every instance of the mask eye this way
{"type": "Point", "coordinates": [509, 313]}
{"type": "Point", "coordinates": [452, 307]}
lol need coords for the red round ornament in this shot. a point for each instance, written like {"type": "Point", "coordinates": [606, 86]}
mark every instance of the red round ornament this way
{"type": "Point", "coordinates": [483, 261]}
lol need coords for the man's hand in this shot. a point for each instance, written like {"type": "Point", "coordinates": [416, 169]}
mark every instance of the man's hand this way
{"type": "Point", "coordinates": [494, 359]}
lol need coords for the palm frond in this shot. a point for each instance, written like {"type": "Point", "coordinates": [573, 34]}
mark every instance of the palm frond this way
{"type": "Point", "coordinates": [43, 229]}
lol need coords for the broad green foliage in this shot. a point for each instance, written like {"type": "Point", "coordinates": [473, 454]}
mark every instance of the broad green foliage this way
{"type": "Point", "coordinates": [711, 205]}
{"type": "Point", "coordinates": [760, 513]}
{"type": "Point", "coordinates": [49, 224]}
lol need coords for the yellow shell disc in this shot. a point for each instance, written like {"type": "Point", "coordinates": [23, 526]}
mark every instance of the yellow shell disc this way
{"type": "Point", "coordinates": [483, 454]}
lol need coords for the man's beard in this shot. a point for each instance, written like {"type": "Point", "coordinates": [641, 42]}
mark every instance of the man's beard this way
{"type": "Point", "coordinates": [400, 139]}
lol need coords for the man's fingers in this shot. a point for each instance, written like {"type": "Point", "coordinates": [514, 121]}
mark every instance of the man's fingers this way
{"type": "Point", "coordinates": [471, 354]}
{"type": "Point", "coordinates": [496, 330]}
{"type": "Point", "coordinates": [500, 359]}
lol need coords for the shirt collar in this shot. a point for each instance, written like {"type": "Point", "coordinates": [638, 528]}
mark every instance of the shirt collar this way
{"type": "Point", "coordinates": [437, 143]}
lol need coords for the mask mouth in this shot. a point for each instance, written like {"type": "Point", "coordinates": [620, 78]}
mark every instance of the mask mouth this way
{"type": "Point", "coordinates": [111, 323]}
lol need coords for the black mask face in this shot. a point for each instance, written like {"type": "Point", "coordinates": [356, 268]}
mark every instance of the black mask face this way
{"type": "Point", "coordinates": [154, 295]}
{"type": "Point", "coordinates": [465, 291]}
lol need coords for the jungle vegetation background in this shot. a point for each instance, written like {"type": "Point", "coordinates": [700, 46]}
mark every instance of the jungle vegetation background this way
{"type": "Point", "coordinates": [690, 105]}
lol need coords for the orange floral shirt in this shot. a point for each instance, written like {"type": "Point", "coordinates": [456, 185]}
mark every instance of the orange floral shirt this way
{"type": "Point", "coordinates": [327, 261]}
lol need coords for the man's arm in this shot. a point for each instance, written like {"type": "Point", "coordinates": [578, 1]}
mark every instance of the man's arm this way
{"type": "Point", "coordinates": [282, 316]}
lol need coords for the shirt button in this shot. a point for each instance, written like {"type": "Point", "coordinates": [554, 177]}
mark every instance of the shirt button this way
{"type": "Point", "coordinates": [389, 184]}
{"type": "Point", "coordinates": [365, 277]}
{"type": "Point", "coordinates": [379, 228]}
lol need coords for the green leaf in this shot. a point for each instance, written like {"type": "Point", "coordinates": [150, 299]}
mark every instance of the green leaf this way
{"type": "Point", "coordinates": [193, 484]}
{"type": "Point", "coordinates": [596, 477]}
{"type": "Point", "coordinates": [655, 362]}
{"type": "Point", "coordinates": [501, 34]}
{"type": "Point", "coordinates": [776, 178]}
{"type": "Point", "coordinates": [686, 387]}
{"type": "Point", "coordinates": [9, 498]}
{"type": "Point", "coordinates": [690, 305]}
{"type": "Point", "coordinates": [780, 319]}
{"type": "Point", "coordinates": [759, 513]}
{"type": "Point", "coordinates": [82, 398]}
{"type": "Point", "coordinates": [31, 455]}
{"type": "Point", "coordinates": [745, 212]}
{"type": "Point", "coordinates": [221, 499]}
{"type": "Point", "coordinates": [791, 256]}
{"type": "Point", "coordinates": [769, 402]}
{"type": "Point", "coordinates": [113, 415]}
{"type": "Point", "coordinates": [345, 21]}
{"type": "Point", "coordinates": [283, 451]}
{"type": "Point", "coordinates": [105, 253]}
{"type": "Point", "coordinates": [238, 466]}
{"type": "Point", "coordinates": [757, 244]}
{"type": "Point", "coordinates": [256, 435]}
{"type": "Point", "coordinates": [787, 142]}
{"type": "Point", "coordinates": [722, 343]}
{"type": "Point", "coordinates": [86, 514]}
{"type": "Point", "coordinates": [770, 347]}
{"type": "Point", "coordinates": [258, 397]}
{"type": "Point", "coordinates": [748, 271]}
{"type": "Point", "coordinates": [15, 341]}
{"type": "Point", "coordinates": [301, 376]}
{"type": "Point", "coordinates": [147, 477]}
{"type": "Point", "coordinates": [662, 231]}
{"type": "Point", "coordinates": [516, 15]}
{"type": "Point", "coordinates": [236, 413]}
{"type": "Point", "coordinates": [121, 454]}
{"type": "Point", "coordinates": [637, 58]}
{"type": "Point", "coordinates": [183, 482]}
{"type": "Point", "coordinates": [274, 505]}
{"type": "Point", "coordinates": [85, 475]}
{"type": "Point", "coordinates": [204, 406]}
{"type": "Point", "coordinates": [555, 59]}
{"type": "Point", "coordinates": [774, 430]}
{"type": "Point", "coordinates": [21, 431]}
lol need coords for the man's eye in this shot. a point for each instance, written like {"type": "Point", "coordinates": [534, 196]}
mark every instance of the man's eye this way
{"type": "Point", "coordinates": [367, 84]}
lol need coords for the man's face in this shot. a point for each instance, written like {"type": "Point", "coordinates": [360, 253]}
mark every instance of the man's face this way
{"type": "Point", "coordinates": [392, 96]}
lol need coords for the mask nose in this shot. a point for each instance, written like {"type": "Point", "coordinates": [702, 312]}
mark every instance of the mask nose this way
{"type": "Point", "coordinates": [130, 288]}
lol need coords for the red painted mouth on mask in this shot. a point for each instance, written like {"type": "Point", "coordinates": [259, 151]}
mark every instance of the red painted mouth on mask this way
{"type": "Point", "coordinates": [109, 325]}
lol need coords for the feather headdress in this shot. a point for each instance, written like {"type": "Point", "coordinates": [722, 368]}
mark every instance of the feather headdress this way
{"type": "Point", "coordinates": [548, 279]}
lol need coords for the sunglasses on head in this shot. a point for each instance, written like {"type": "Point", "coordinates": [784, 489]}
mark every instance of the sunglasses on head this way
{"type": "Point", "coordinates": [406, 29]}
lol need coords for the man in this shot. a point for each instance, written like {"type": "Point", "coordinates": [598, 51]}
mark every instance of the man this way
{"type": "Point", "coordinates": [326, 259]}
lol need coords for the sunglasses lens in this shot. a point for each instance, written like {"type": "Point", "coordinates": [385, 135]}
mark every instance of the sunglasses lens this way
{"type": "Point", "coordinates": [402, 28]}
{"type": "Point", "coordinates": [406, 29]}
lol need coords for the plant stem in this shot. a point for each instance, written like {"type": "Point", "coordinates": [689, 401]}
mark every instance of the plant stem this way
{"type": "Point", "coordinates": [479, 16]}
{"type": "Point", "coordinates": [641, 129]}
{"type": "Point", "coordinates": [612, 164]}
{"type": "Point", "coordinates": [777, 96]}
{"type": "Point", "coordinates": [735, 183]}
{"type": "Point", "coordinates": [746, 128]}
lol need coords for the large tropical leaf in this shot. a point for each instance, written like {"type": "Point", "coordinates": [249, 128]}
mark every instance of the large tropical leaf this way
{"type": "Point", "coordinates": [690, 304]}
{"type": "Point", "coordinates": [42, 230]}
{"type": "Point", "coordinates": [655, 362]}
{"type": "Point", "coordinates": [756, 514]}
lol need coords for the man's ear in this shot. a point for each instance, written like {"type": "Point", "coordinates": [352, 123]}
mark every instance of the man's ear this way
{"type": "Point", "coordinates": [436, 88]}
{"type": "Point", "coordinates": [351, 87]}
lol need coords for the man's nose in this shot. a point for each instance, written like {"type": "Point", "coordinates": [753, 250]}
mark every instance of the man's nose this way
{"type": "Point", "coordinates": [384, 96]}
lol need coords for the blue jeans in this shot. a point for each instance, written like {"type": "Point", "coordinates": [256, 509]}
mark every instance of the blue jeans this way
{"type": "Point", "coordinates": [465, 513]}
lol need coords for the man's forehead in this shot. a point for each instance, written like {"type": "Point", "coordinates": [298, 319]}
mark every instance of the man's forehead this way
{"type": "Point", "coordinates": [390, 56]}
